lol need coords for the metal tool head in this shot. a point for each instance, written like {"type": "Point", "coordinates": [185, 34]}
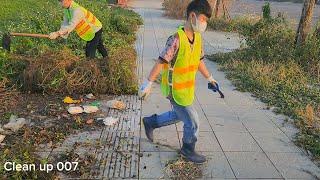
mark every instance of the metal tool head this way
{"type": "Point", "coordinates": [215, 89]}
{"type": "Point", "coordinates": [6, 41]}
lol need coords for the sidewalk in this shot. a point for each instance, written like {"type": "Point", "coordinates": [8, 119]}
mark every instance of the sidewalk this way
{"type": "Point", "coordinates": [239, 137]}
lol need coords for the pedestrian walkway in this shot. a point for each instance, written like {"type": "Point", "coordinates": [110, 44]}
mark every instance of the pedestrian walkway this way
{"type": "Point", "coordinates": [241, 139]}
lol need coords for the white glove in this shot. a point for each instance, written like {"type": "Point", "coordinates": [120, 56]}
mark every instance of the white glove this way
{"type": "Point", "coordinates": [215, 83]}
{"type": "Point", "coordinates": [145, 89]}
{"type": "Point", "coordinates": [54, 35]}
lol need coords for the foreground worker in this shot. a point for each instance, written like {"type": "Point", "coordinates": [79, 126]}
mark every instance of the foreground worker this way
{"type": "Point", "coordinates": [179, 62]}
{"type": "Point", "coordinates": [87, 26]}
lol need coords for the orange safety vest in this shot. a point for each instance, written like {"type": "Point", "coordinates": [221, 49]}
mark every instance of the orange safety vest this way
{"type": "Point", "coordinates": [183, 73]}
{"type": "Point", "coordinates": [85, 27]}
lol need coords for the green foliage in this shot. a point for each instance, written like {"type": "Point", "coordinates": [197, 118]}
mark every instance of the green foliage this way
{"type": "Point", "coordinates": [266, 12]}
{"type": "Point", "coordinates": [237, 24]}
{"type": "Point", "coordinates": [270, 39]}
{"type": "Point", "coordinates": [119, 26]}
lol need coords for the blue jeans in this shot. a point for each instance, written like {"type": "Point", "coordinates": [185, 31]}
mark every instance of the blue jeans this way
{"type": "Point", "coordinates": [187, 114]}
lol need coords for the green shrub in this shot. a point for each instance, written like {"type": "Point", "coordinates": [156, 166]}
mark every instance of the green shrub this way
{"type": "Point", "coordinates": [238, 24]}
{"type": "Point", "coordinates": [270, 39]}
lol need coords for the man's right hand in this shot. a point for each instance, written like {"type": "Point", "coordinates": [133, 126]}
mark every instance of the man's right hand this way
{"type": "Point", "coordinates": [54, 35]}
{"type": "Point", "coordinates": [145, 89]}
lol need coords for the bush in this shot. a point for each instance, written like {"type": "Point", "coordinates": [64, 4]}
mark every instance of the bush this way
{"type": "Point", "coordinates": [308, 55]}
{"type": "Point", "coordinates": [270, 39]}
{"type": "Point", "coordinates": [238, 24]}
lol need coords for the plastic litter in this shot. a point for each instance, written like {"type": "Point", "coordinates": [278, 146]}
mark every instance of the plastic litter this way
{"type": "Point", "coordinates": [2, 138]}
{"type": "Point", "coordinates": [95, 103]}
{"type": "Point", "coordinates": [90, 96]}
{"type": "Point", "coordinates": [69, 100]}
{"type": "Point", "coordinates": [115, 104]}
{"type": "Point", "coordinates": [15, 123]}
{"type": "Point", "coordinates": [75, 110]}
{"type": "Point", "coordinates": [89, 121]}
{"type": "Point", "coordinates": [109, 121]}
{"type": "Point", "coordinates": [90, 109]}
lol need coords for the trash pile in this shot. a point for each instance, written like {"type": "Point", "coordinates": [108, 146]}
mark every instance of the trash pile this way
{"type": "Point", "coordinates": [180, 169]}
{"type": "Point", "coordinates": [88, 105]}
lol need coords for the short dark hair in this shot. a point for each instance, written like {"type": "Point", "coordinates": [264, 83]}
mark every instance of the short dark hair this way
{"type": "Point", "coordinates": [199, 7]}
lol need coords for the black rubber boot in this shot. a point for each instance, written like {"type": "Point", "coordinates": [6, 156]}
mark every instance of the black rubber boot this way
{"type": "Point", "coordinates": [149, 126]}
{"type": "Point", "coordinates": [187, 151]}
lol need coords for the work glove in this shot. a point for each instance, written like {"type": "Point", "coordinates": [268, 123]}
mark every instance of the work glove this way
{"type": "Point", "coordinates": [215, 84]}
{"type": "Point", "coordinates": [145, 89]}
{"type": "Point", "coordinates": [54, 35]}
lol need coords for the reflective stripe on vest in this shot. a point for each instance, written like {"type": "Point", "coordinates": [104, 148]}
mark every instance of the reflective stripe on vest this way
{"type": "Point", "coordinates": [85, 27]}
{"type": "Point", "coordinates": [183, 71]}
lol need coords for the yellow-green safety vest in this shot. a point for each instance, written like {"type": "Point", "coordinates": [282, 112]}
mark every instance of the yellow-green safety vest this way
{"type": "Point", "coordinates": [184, 70]}
{"type": "Point", "coordinates": [85, 27]}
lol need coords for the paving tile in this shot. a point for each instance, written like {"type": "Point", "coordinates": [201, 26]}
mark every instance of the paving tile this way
{"type": "Point", "coordinates": [231, 141]}
{"type": "Point", "coordinates": [226, 124]}
{"type": "Point", "coordinates": [275, 142]}
{"type": "Point", "coordinates": [223, 112]}
{"type": "Point", "coordinates": [150, 165]}
{"type": "Point", "coordinates": [207, 142]}
{"type": "Point", "coordinates": [167, 139]}
{"type": "Point", "coordinates": [295, 165]}
{"type": "Point", "coordinates": [261, 126]}
{"type": "Point", "coordinates": [252, 165]}
{"type": "Point", "coordinates": [216, 166]}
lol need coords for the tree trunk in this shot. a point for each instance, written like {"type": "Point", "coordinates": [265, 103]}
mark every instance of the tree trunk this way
{"type": "Point", "coordinates": [217, 8]}
{"type": "Point", "coordinates": [305, 21]}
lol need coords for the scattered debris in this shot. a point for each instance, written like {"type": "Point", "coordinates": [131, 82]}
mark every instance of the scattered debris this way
{"type": "Point", "coordinates": [115, 104]}
{"type": "Point", "coordinates": [90, 109]}
{"type": "Point", "coordinates": [15, 123]}
{"type": "Point", "coordinates": [180, 169]}
{"type": "Point", "coordinates": [109, 121]}
{"type": "Point", "coordinates": [2, 130]}
{"type": "Point", "coordinates": [75, 110]}
{"type": "Point", "coordinates": [69, 100]}
{"type": "Point", "coordinates": [2, 138]}
{"type": "Point", "coordinates": [89, 121]}
{"type": "Point", "coordinates": [90, 96]}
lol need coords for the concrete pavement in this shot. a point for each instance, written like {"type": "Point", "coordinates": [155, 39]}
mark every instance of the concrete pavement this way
{"type": "Point", "coordinates": [240, 138]}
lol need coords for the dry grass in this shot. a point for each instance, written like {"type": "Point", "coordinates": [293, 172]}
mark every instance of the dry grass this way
{"type": "Point", "coordinates": [63, 72]}
{"type": "Point", "coordinates": [310, 117]}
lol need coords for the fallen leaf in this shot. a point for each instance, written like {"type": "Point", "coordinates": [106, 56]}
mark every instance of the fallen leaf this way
{"type": "Point", "coordinates": [69, 100]}
{"type": "Point", "coordinates": [89, 121]}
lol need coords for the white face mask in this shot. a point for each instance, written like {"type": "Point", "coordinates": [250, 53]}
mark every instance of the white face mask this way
{"type": "Point", "coordinates": [199, 26]}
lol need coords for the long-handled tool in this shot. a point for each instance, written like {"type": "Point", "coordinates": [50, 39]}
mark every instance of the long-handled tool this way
{"type": "Point", "coordinates": [215, 89]}
{"type": "Point", "coordinates": [6, 39]}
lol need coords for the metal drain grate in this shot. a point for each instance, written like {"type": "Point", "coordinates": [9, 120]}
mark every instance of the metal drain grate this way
{"type": "Point", "coordinates": [119, 156]}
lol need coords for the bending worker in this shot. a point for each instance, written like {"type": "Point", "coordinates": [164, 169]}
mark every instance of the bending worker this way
{"type": "Point", "coordinates": [178, 64]}
{"type": "Point", "coordinates": [87, 26]}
